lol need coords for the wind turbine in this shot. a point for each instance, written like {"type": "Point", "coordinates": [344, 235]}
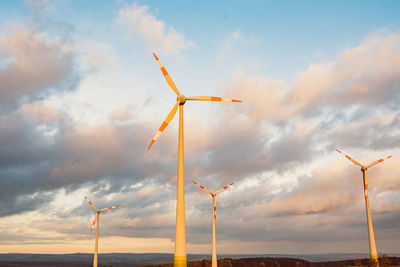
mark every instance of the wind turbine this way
{"type": "Point", "coordinates": [364, 168]}
{"type": "Point", "coordinates": [214, 245]}
{"type": "Point", "coordinates": [97, 219]}
{"type": "Point", "coordinates": [180, 234]}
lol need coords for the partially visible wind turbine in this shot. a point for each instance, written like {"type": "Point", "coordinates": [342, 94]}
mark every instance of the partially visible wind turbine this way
{"type": "Point", "coordinates": [97, 219]}
{"type": "Point", "coordinates": [214, 245]}
{"type": "Point", "coordinates": [364, 168]}
{"type": "Point", "coordinates": [180, 232]}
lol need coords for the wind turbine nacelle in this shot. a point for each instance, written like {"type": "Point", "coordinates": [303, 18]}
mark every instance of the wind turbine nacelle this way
{"type": "Point", "coordinates": [181, 99]}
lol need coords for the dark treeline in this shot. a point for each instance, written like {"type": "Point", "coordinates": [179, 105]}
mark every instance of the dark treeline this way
{"type": "Point", "coordinates": [287, 262]}
{"type": "Point", "coordinates": [228, 262]}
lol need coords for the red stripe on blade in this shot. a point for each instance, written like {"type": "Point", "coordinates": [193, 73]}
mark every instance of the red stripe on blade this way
{"type": "Point", "coordinates": [163, 126]}
{"type": "Point", "coordinates": [213, 98]}
{"type": "Point", "coordinates": [152, 142]}
{"type": "Point", "coordinates": [164, 71]}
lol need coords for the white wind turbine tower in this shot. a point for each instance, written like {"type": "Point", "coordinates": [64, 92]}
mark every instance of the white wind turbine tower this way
{"type": "Point", "coordinates": [214, 245]}
{"type": "Point", "coordinates": [97, 219]}
{"type": "Point", "coordinates": [364, 168]}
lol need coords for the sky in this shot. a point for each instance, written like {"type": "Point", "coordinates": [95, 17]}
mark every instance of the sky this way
{"type": "Point", "coordinates": [81, 97]}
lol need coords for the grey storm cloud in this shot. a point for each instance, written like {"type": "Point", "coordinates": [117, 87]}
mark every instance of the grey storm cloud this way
{"type": "Point", "coordinates": [23, 203]}
{"type": "Point", "coordinates": [33, 163]}
{"type": "Point", "coordinates": [34, 66]}
{"type": "Point", "coordinates": [373, 132]}
{"type": "Point", "coordinates": [323, 203]}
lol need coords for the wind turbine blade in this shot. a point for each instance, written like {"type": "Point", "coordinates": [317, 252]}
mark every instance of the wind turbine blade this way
{"type": "Point", "coordinates": [349, 158]}
{"type": "Point", "coordinates": [166, 76]}
{"type": "Point", "coordinates": [222, 189]}
{"type": "Point", "coordinates": [91, 204]}
{"type": "Point", "coordinates": [165, 123]}
{"type": "Point", "coordinates": [202, 187]}
{"type": "Point", "coordinates": [211, 98]}
{"type": "Point", "coordinates": [109, 208]}
{"type": "Point", "coordinates": [93, 224]}
{"type": "Point", "coordinates": [378, 161]}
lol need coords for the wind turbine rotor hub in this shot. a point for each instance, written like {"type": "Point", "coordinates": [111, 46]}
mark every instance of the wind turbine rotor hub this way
{"type": "Point", "coordinates": [181, 99]}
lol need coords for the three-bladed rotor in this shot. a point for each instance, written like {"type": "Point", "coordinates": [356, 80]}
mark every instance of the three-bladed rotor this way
{"type": "Point", "coordinates": [181, 100]}
{"type": "Point", "coordinates": [363, 167]}
{"type": "Point", "coordinates": [98, 211]}
{"type": "Point", "coordinates": [211, 193]}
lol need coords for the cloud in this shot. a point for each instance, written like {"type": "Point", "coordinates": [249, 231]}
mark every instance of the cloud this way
{"type": "Point", "coordinates": [277, 146]}
{"type": "Point", "coordinates": [43, 149]}
{"type": "Point", "coordinates": [139, 22]}
{"type": "Point", "coordinates": [99, 56]}
{"type": "Point", "coordinates": [283, 126]}
{"type": "Point", "coordinates": [37, 65]}
{"type": "Point", "coordinates": [376, 132]}
{"type": "Point", "coordinates": [283, 130]}
{"type": "Point", "coordinates": [24, 203]}
{"type": "Point", "coordinates": [263, 99]}
{"type": "Point", "coordinates": [362, 77]}
{"type": "Point", "coordinates": [365, 75]}
{"type": "Point", "coordinates": [330, 199]}
{"type": "Point", "coordinates": [327, 190]}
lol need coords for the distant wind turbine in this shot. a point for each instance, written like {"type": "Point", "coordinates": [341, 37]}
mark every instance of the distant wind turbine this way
{"type": "Point", "coordinates": [180, 232]}
{"type": "Point", "coordinates": [97, 219]}
{"type": "Point", "coordinates": [372, 245]}
{"type": "Point", "coordinates": [214, 245]}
